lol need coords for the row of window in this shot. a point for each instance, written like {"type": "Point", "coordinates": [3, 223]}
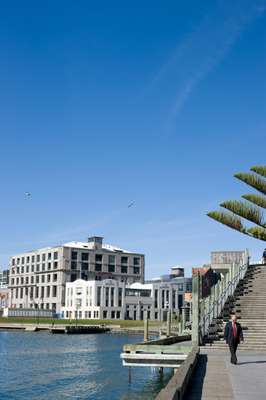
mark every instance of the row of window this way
{"type": "Point", "coordinates": [30, 280]}
{"type": "Point", "coordinates": [42, 306]}
{"type": "Point", "coordinates": [92, 314]}
{"type": "Point", "coordinates": [28, 259]}
{"type": "Point", "coordinates": [39, 292]}
{"type": "Point", "coordinates": [84, 266]}
{"type": "Point", "coordinates": [99, 258]}
{"type": "Point", "coordinates": [34, 268]}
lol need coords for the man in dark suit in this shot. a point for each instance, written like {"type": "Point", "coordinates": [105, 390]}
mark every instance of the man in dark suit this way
{"type": "Point", "coordinates": [233, 334]}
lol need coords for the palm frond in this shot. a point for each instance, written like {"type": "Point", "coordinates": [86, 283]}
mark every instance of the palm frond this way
{"type": "Point", "coordinates": [258, 233]}
{"type": "Point", "coordinates": [251, 213]}
{"type": "Point", "coordinates": [228, 219]}
{"type": "Point", "coordinates": [252, 180]}
{"type": "Point", "coordinates": [259, 169]}
{"type": "Point", "coordinates": [255, 199]}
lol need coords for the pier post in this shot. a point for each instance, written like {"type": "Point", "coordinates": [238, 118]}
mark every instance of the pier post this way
{"type": "Point", "coordinates": [168, 330]}
{"type": "Point", "coordinates": [180, 328]}
{"type": "Point", "coordinates": [195, 309]}
{"type": "Point", "coordinates": [183, 318]}
{"type": "Point", "coordinates": [146, 328]}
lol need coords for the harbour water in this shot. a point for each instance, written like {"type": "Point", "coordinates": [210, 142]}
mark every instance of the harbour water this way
{"type": "Point", "coordinates": [81, 367]}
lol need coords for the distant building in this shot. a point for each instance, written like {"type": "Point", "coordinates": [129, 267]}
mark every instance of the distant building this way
{"type": "Point", "coordinates": [208, 276]}
{"type": "Point", "coordinates": [38, 277]}
{"type": "Point", "coordinates": [222, 260]}
{"type": "Point", "coordinates": [4, 278]}
{"type": "Point", "coordinates": [110, 299]}
{"type": "Point", "coordinates": [4, 295]}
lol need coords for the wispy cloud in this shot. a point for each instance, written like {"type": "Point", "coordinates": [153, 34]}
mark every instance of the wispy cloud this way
{"type": "Point", "coordinates": [204, 48]}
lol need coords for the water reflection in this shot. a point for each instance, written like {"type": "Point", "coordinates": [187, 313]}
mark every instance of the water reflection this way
{"type": "Point", "coordinates": [83, 367]}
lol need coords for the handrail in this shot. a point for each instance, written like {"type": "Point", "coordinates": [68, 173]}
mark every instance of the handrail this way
{"type": "Point", "coordinates": [211, 306]}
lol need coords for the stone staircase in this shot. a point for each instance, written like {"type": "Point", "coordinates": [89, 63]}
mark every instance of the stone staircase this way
{"type": "Point", "coordinates": [249, 304]}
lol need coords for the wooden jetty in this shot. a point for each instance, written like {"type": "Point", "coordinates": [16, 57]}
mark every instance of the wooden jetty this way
{"type": "Point", "coordinates": [168, 352]}
{"type": "Point", "coordinates": [79, 329]}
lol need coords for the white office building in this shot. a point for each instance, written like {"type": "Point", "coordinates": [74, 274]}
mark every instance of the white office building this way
{"type": "Point", "coordinates": [111, 299]}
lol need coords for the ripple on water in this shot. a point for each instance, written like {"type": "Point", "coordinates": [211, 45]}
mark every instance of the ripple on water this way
{"type": "Point", "coordinates": [83, 367]}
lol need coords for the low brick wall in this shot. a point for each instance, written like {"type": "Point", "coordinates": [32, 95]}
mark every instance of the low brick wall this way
{"type": "Point", "coordinates": [177, 385]}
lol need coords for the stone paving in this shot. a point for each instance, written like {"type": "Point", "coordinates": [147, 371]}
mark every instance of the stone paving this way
{"type": "Point", "coordinates": [215, 378]}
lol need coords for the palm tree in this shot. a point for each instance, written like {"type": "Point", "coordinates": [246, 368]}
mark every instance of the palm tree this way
{"type": "Point", "coordinates": [251, 208]}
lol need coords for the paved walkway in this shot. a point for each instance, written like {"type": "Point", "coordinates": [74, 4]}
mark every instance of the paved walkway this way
{"type": "Point", "coordinates": [215, 378]}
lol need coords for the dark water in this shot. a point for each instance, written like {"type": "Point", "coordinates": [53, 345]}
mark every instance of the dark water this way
{"type": "Point", "coordinates": [44, 366]}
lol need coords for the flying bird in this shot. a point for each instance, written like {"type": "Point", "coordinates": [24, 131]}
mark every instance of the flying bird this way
{"type": "Point", "coordinates": [131, 204]}
{"type": "Point", "coordinates": [27, 194]}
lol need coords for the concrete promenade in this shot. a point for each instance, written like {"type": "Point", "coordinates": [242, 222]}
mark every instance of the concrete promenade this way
{"type": "Point", "coordinates": [215, 378]}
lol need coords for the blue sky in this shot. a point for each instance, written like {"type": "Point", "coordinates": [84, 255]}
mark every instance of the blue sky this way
{"type": "Point", "coordinates": [105, 103]}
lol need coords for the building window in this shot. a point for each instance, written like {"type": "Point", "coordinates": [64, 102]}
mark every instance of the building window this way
{"type": "Point", "coordinates": [73, 264]}
{"type": "Point", "coordinates": [98, 257]}
{"type": "Point", "coordinates": [32, 268]}
{"type": "Point", "coordinates": [73, 277]}
{"type": "Point", "coordinates": [55, 255]}
{"type": "Point", "coordinates": [27, 268]}
{"type": "Point", "coordinates": [18, 260]}
{"type": "Point", "coordinates": [27, 280]}
{"type": "Point", "coordinates": [54, 277]}
{"type": "Point", "coordinates": [32, 279]}
{"type": "Point", "coordinates": [54, 291]}
{"type": "Point", "coordinates": [106, 297]}
{"type": "Point", "coordinates": [124, 269]}
{"type": "Point", "coordinates": [84, 256]}
{"type": "Point", "coordinates": [23, 260]}
{"type": "Point", "coordinates": [48, 291]}
{"type": "Point", "coordinates": [84, 266]}
{"type": "Point", "coordinates": [98, 267]}
{"type": "Point", "coordinates": [74, 255]}
{"type": "Point", "coordinates": [48, 278]}
{"type": "Point", "coordinates": [120, 291]}
{"type": "Point", "coordinates": [136, 270]}
{"type": "Point", "coordinates": [37, 267]}
{"type": "Point", "coordinates": [49, 256]}
{"type": "Point", "coordinates": [43, 257]}
{"type": "Point", "coordinates": [111, 268]}
{"type": "Point", "coordinates": [43, 278]}
{"type": "Point", "coordinates": [13, 261]}
{"type": "Point", "coordinates": [49, 266]}
{"type": "Point", "coordinates": [22, 280]}
{"type": "Point", "coordinates": [38, 258]}
{"type": "Point", "coordinates": [136, 261]}
{"type": "Point", "coordinates": [37, 278]}
{"type": "Point", "coordinates": [99, 291]}
{"type": "Point", "coordinates": [124, 260]}
{"type": "Point", "coordinates": [111, 259]}
{"type": "Point", "coordinates": [113, 314]}
{"type": "Point", "coordinates": [55, 264]}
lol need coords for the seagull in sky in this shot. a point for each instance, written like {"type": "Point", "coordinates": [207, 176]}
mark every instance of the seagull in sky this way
{"type": "Point", "coordinates": [27, 194]}
{"type": "Point", "coordinates": [131, 204]}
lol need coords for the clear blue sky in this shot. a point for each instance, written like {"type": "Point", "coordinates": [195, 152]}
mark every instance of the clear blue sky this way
{"type": "Point", "coordinates": [105, 103]}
